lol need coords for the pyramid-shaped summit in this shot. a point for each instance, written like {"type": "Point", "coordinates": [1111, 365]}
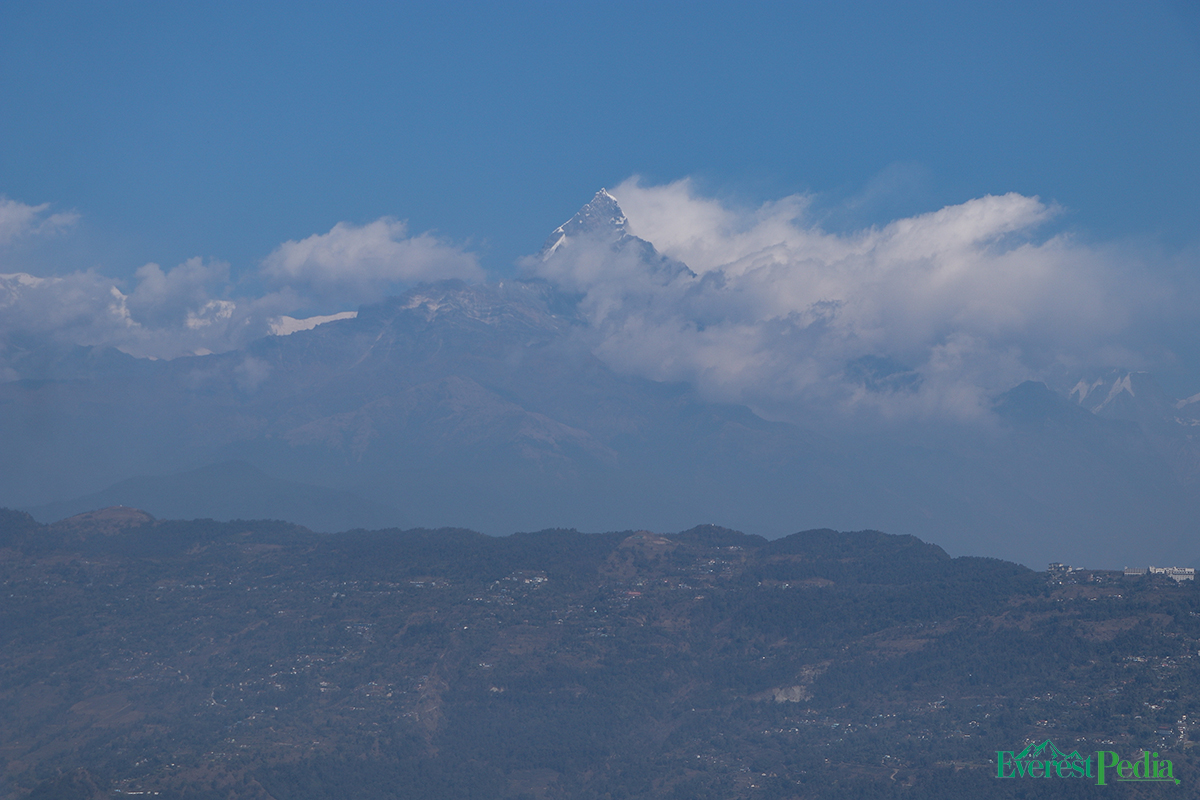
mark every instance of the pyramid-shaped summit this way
{"type": "Point", "coordinates": [602, 221]}
{"type": "Point", "coordinates": [601, 217]}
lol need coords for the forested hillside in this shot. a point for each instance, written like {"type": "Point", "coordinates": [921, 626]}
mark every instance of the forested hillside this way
{"type": "Point", "coordinates": [258, 659]}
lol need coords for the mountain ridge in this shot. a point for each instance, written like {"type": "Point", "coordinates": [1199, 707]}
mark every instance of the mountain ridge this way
{"type": "Point", "coordinates": [485, 406]}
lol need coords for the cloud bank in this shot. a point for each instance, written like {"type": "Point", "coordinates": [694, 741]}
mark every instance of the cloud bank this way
{"type": "Point", "coordinates": [182, 311]}
{"type": "Point", "coordinates": [930, 315]}
{"type": "Point", "coordinates": [195, 307]}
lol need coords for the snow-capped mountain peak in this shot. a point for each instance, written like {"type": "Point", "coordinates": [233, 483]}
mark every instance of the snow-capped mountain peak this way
{"type": "Point", "coordinates": [599, 233]}
{"type": "Point", "coordinates": [1129, 395]}
{"type": "Point", "coordinates": [1116, 384]}
{"type": "Point", "coordinates": [1083, 389]}
{"type": "Point", "coordinates": [601, 217]}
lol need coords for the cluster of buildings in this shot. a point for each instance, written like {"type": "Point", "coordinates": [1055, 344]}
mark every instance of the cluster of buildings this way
{"type": "Point", "coordinates": [1175, 573]}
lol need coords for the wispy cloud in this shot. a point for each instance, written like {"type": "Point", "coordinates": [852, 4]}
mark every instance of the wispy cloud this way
{"type": "Point", "coordinates": [18, 219]}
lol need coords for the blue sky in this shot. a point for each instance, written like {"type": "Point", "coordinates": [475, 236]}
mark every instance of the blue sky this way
{"type": "Point", "coordinates": [223, 129]}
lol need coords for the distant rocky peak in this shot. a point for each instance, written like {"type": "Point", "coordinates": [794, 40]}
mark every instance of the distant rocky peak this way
{"type": "Point", "coordinates": [603, 222]}
{"type": "Point", "coordinates": [1124, 394]}
{"type": "Point", "coordinates": [1101, 392]}
{"type": "Point", "coordinates": [602, 214]}
{"type": "Point", "coordinates": [602, 217]}
{"type": "Point", "coordinates": [1096, 392]}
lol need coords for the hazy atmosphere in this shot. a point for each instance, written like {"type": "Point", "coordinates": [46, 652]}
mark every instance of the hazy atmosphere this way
{"type": "Point", "coordinates": [870, 226]}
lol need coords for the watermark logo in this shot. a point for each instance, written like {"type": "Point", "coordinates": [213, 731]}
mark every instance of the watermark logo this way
{"type": "Point", "coordinates": [1045, 760]}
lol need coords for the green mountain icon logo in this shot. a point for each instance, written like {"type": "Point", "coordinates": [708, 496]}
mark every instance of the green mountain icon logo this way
{"type": "Point", "coordinates": [1047, 751]}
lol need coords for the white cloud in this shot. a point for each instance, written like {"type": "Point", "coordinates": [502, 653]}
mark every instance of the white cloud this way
{"type": "Point", "coordinates": [782, 314]}
{"type": "Point", "coordinates": [184, 295]}
{"type": "Point", "coordinates": [192, 309]}
{"type": "Point", "coordinates": [167, 314]}
{"type": "Point", "coordinates": [700, 231]}
{"type": "Point", "coordinates": [18, 219]}
{"type": "Point", "coordinates": [76, 307]}
{"type": "Point", "coordinates": [368, 262]}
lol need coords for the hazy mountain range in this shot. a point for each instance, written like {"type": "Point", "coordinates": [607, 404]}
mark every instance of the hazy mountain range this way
{"type": "Point", "coordinates": [486, 406]}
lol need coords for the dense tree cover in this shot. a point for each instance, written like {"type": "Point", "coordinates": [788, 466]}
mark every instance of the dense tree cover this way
{"type": "Point", "coordinates": [256, 659]}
